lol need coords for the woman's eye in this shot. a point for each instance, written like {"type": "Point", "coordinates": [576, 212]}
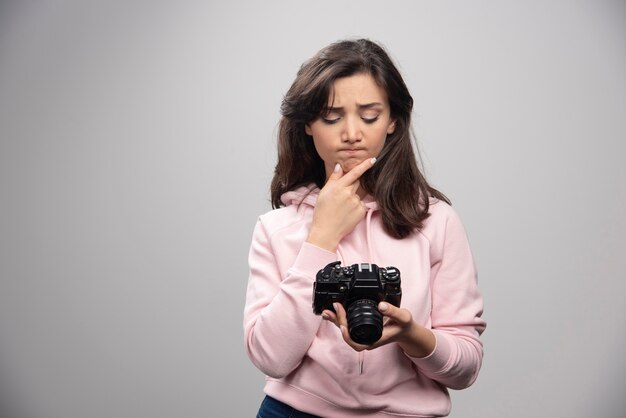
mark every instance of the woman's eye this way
{"type": "Point", "coordinates": [371, 119]}
{"type": "Point", "coordinates": [331, 120]}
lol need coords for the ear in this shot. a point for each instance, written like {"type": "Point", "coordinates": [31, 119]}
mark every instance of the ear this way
{"type": "Point", "coordinates": [392, 127]}
{"type": "Point", "coordinates": [307, 129]}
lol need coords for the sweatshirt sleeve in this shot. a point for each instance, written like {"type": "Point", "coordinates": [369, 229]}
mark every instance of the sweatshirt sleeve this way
{"type": "Point", "coordinates": [279, 323]}
{"type": "Point", "coordinates": [457, 308]}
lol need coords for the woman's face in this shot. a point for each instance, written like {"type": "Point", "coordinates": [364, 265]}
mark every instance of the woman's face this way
{"type": "Point", "coordinates": [356, 125]}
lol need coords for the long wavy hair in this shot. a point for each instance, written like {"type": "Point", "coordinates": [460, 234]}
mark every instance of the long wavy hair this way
{"type": "Point", "coordinates": [395, 181]}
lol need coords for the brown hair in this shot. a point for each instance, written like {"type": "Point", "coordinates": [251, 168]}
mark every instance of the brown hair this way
{"type": "Point", "coordinates": [395, 181]}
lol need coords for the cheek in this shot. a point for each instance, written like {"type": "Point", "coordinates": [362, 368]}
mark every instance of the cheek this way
{"type": "Point", "coordinates": [381, 143]}
{"type": "Point", "coordinates": [322, 150]}
{"type": "Point", "coordinates": [321, 142]}
{"type": "Point", "coordinates": [317, 144]}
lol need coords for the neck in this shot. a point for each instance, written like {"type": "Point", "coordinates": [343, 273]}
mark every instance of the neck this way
{"type": "Point", "coordinates": [361, 192]}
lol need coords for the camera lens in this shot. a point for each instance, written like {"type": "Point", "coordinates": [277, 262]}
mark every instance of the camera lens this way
{"type": "Point", "coordinates": [365, 323]}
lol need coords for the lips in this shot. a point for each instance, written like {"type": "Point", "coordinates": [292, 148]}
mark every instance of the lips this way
{"type": "Point", "coordinates": [352, 150]}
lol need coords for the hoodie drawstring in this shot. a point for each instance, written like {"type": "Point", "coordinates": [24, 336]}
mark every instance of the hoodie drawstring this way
{"type": "Point", "coordinates": [368, 221]}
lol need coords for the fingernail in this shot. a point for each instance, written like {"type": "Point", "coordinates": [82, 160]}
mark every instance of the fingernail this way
{"type": "Point", "coordinates": [383, 307]}
{"type": "Point", "coordinates": [335, 305]}
{"type": "Point", "coordinates": [337, 167]}
{"type": "Point", "coordinates": [325, 315]}
{"type": "Point", "coordinates": [373, 160]}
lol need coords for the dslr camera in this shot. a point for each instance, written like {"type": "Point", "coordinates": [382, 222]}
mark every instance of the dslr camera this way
{"type": "Point", "coordinates": [359, 288]}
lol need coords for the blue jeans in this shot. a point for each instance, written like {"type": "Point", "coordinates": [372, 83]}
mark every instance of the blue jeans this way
{"type": "Point", "coordinates": [272, 408]}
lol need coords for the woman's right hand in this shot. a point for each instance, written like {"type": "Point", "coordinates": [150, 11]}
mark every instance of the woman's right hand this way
{"type": "Point", "coordinates": [339, 207]}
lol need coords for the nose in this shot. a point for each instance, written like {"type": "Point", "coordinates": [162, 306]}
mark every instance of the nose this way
{"type": "Point", "coordinates": [352, 131]}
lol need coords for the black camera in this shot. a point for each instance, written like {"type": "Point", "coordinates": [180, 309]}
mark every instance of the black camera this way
{"type": "Point", "coordinates": [359, 287]}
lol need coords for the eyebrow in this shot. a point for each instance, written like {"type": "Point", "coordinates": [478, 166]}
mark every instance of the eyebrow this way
{"type": "Point", "coordinates": [360, 106]}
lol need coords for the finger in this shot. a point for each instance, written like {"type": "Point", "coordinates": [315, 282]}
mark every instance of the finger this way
{"type": "Point", "coordinates": [353, 175]}
{"type": "Point", "coordinates": [398, 315]}
{"type": "Point", "coordinates": [337, 173]}
{"type": "Point", "coordinates": [355, 186]}
{"type": "Point", "coordinates": [329, 315]}
{"type": "Point", "coordinates": [342, 319]}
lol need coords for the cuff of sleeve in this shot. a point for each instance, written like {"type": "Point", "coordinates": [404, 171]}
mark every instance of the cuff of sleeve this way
{"type": "Point", "coordinates": [312, 259]}
{"type": "Point", "coordinates": [437, 361]}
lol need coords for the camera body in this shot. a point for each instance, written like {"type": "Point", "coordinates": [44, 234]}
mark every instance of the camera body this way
{"type": "Point", "coordinates": [359, 288]}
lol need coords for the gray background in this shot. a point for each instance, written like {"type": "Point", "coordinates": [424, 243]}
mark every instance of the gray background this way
{"type": "Point", "coordinates": [137, 146]}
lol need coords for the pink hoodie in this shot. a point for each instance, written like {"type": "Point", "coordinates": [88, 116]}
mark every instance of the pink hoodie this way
{"type": "Point", "coordinates": [307, 363]}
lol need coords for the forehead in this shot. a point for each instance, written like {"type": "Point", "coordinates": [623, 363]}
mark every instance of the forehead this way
{"type": "Point", "coordinates": [356, 89]}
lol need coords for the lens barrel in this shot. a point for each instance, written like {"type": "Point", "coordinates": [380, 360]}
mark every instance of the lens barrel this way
{"type": "Point", "coordinates": [365, 322]}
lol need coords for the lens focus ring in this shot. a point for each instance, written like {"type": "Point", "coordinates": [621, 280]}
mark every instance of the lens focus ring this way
{"type": "Point", "coordinates": [365, 323]}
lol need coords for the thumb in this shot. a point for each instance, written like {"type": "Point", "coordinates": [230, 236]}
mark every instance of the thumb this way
{"type": "Point", "coordinates": [337, 173]}
{"type": "Point", "coordinates": [399, 315]}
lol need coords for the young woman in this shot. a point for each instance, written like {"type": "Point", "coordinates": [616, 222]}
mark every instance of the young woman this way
{"type": "Point", "coordinates": [347, 188]}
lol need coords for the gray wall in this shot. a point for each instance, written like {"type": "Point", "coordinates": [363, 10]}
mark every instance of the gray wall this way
{"type": "Point", "coordinates": [137, 145]}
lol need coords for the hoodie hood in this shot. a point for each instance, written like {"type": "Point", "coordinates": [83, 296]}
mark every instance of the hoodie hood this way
{"type": "Point", "coordinates": [308, 195]}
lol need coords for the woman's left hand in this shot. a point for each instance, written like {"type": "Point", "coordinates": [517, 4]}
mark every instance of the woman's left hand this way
{"type": "Point", "coordinates": [398, 326]}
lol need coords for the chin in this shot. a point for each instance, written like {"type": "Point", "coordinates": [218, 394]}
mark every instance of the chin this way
{"type": "Point", "coordinates": [350, 164]}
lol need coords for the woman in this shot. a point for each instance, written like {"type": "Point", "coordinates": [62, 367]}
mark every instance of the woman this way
{"type": "Point", "coordinates": [347, 188]}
